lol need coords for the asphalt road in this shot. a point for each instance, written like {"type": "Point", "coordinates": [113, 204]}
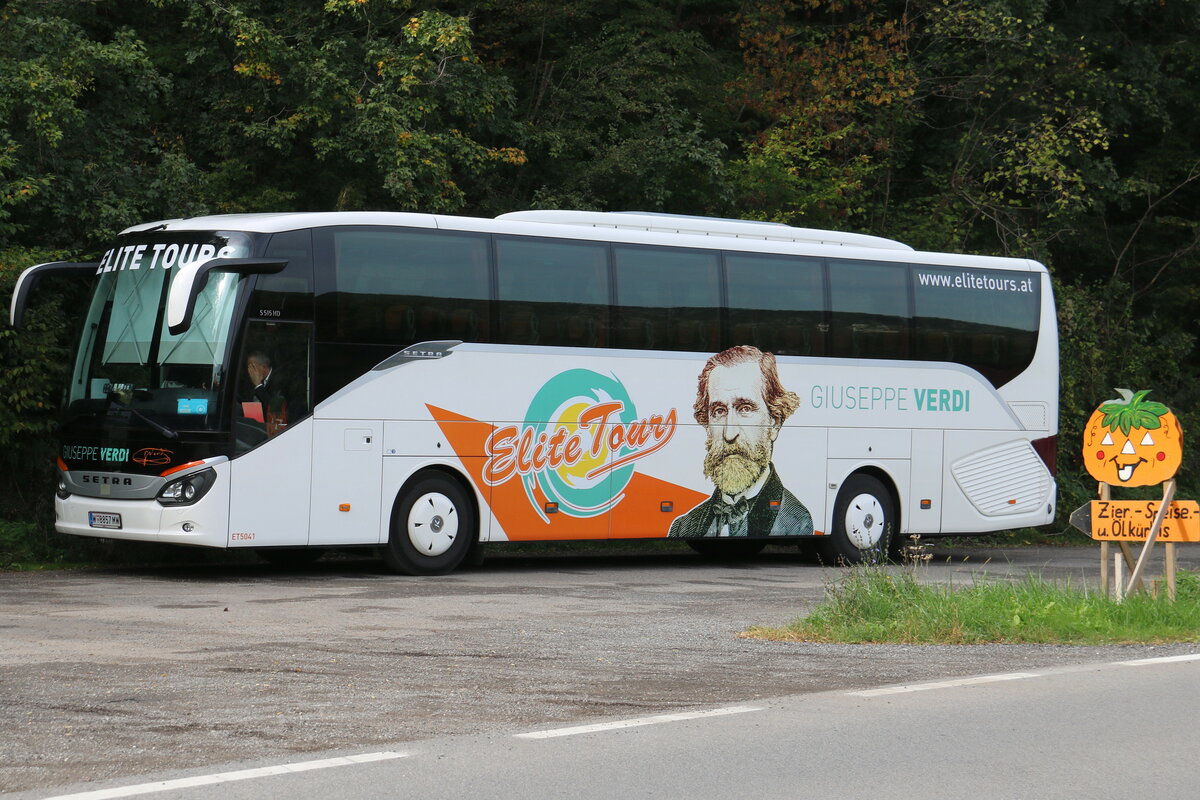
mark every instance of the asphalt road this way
{"type": "Point", "coordinates": [1048, 734]}
{"type": "Point", "coordinates": [113, 675]}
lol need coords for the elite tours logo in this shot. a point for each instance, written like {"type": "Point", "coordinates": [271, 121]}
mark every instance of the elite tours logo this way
{"type": "Point", "coordinates": [578, 444]}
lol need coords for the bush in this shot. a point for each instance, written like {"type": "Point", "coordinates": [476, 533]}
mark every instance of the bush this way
{"type": "Point", "coordinates": [1104, 343]}
{"type": "Point", "coordinates": [31, 544]}
{"type": "Point", "coordinates": [33, 367]}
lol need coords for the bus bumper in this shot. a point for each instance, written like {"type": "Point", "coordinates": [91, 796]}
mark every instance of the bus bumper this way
{"type": "Point", "coordinates": [204, 523]}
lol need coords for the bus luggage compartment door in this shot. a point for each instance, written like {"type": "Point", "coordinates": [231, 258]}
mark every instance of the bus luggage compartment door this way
{"type": "Point", "coordinates": [347, 466]}
{"type": "Point", "coordinates": [923, 505]}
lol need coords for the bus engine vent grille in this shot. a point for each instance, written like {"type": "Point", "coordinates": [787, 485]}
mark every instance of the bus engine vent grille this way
{"type": "Point", "coordinates": [1003, 480]}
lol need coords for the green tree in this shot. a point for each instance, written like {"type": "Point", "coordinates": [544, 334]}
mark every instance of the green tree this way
{"type": "Point", "coordinates": [33, 371]}
{"type": "Point", "coordinates": [79, 155]}
{"type": "Point", "coordinates": [112, 114]}
{"type": "Point", "coordinates": [1065, 132]}
{"type": "Point", "coordinates": [620, 106]}
{"type": "Point", "coordinates": [1014, 147]}
{"type": "Point", "coordinates": [1105, 342]}
{"type": "Point", "coordinates": [825, 89]}
{"type": "Point", "coordinates": [1145, 233]}
{"type": "Point", "coordinates": [346, 105]}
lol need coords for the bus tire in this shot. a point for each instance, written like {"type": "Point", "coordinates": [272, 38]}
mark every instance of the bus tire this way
{"type": "Point", "coordinates": [864, 522]}
{"type": "Point", "coordinates": [433, 526]}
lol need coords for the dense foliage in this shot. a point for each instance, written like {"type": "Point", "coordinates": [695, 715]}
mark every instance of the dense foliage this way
{"type": "Point", "coordinates": [1061, 131]}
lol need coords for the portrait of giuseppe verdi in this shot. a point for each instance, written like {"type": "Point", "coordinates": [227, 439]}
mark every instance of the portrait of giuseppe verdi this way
{"type": "Point", "coordinates": [742, 406]}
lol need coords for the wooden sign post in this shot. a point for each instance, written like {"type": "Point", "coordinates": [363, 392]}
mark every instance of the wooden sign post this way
{"type": "Point", "coordinates": [1135, 442]}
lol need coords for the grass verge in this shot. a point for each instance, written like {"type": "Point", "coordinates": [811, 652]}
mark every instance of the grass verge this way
{"type": "Point", "coordinates": [871, 605]}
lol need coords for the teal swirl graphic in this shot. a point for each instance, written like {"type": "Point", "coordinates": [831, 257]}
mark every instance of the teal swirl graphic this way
{"type": "Point", "coordinates": [559, 404]}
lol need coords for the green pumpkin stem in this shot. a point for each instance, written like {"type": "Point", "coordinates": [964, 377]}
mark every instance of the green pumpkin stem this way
{"type": "Point", "coordinates": [1132, 411]}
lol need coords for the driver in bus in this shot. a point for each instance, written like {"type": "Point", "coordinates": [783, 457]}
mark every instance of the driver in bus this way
{"type": "Point", "coordinates": [742, 406]}
{"type": "Point", "coordinates": [271, 403]}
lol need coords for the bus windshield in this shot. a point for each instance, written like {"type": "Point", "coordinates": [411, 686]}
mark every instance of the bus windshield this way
{"type": "Point", "coordinates": [128, 359]}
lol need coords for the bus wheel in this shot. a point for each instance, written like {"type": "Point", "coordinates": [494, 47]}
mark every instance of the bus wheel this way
{"type": "Point", "coordinates": [863, 522]}
{"type": "Point", "coordinates": [727, 549]}
{"type": "Point", "coordinates": [433, 527]}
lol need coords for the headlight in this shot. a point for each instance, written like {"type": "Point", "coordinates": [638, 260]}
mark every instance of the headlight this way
{"type": "Point", "coordinates": [62, 491]}
{"type": "Point", "coordinates": [187, 490]}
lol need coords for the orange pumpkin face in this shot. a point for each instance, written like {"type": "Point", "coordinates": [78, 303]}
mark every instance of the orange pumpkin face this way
{"type": "Point", "coordinates": [1132, 442]}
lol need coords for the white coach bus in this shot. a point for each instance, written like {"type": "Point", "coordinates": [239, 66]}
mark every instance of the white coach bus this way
{"type": "Point", "coordinates": [424, 384]}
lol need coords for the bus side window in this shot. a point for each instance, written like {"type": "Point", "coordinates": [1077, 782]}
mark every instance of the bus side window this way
{"type": "Point", "coordinates": [289, 293]}
{"type": "Point", "coordinates": [399, 287]}
{"type": "Point", "coordinates": [552, 292]}
{"type": "Point", "coordinates": [399, 322]}
{"type": "Point", "coordinates": [869, 303]}
{"type": "Point", "coordinates": [668, 299]}
{"type": "Point", "coordinates": [988, 323]}
{"type": "Point", "coordinates": [776, 303]}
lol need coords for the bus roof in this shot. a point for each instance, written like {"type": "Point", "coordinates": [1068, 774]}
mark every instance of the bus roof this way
{"type": "Point", "coordinates": [704, 226]}
{"type": "Point", "coordinates": [633, 227]}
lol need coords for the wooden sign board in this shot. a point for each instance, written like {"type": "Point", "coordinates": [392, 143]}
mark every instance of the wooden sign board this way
{"type": "Point", "coordinates": [1130, 520]}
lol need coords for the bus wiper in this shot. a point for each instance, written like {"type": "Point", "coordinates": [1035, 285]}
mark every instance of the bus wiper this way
{"type": "Point", "coordinates": [153, 423]}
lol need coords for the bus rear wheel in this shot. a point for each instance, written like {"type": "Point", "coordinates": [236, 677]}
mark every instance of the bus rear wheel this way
{"type": "Point", "coordinates": [864, 522]}
{"type": "Point", "coordinates": [433, 526]}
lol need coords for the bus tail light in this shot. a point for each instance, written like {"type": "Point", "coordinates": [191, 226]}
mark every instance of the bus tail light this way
{"type": "Point", "coordinates": [1048, 449]}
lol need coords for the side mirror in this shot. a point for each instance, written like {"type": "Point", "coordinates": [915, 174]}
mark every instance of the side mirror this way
{"type": "Point", "coordinates": [29, 278]}
{"type": "Point", "coordinates": [191, 280]}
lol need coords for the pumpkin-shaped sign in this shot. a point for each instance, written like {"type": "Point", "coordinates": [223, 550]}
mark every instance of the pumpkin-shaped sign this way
{"type": "Point", "coordinates": [1132, 441]}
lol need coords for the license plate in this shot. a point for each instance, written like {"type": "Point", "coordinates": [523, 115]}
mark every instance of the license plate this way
{"type": "Point", "coordinates": [100, 519]}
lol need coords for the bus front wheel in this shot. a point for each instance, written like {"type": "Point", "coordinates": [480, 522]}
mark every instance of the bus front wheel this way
{"type": "Point", "coordinates": [433, 527]}
{"type": "Point", "coordinates": [864, 522]}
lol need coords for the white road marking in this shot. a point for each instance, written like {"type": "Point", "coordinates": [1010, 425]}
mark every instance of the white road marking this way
{"type": "Point", "coordinates": [636, 723]}
{"type": "Point", "coordinates": [924, 687]}
{"type": "Point", "coordinates": [1016, 676]}
{"type": "Point", "coordinates": [226, 777]}
{"type": "Point", "coordinates": [1144, 662]}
